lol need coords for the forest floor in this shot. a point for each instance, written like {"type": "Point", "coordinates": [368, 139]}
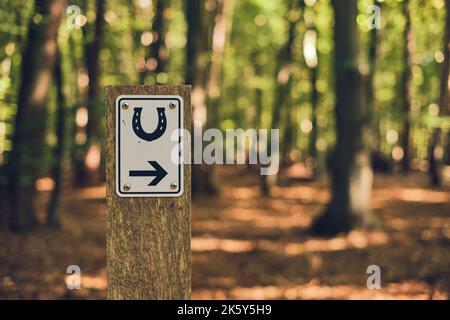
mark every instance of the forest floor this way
{"type": "Point", "coordinates": [248, 247]}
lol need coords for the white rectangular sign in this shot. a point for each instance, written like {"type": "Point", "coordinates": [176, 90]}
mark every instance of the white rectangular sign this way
{"type": "Point", "coordinates": [148, 146]}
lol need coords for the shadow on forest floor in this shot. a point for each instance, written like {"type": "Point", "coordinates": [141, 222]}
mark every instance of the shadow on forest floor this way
{"type": "Point", "coordinates": [248, 247]}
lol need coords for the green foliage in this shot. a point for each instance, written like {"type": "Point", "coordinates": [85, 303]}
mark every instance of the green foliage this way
{"type": "Point", "coordinates": [259, 30]}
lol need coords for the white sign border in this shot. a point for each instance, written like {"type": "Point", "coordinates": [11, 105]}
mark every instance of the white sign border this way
{"type": "Point", "coordinates": [132, 194]}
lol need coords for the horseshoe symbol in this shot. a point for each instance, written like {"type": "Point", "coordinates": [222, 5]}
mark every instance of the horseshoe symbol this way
{"type": "Point", "coordinates": [159, 131]}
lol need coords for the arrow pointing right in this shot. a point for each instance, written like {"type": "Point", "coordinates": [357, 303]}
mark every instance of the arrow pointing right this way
{"type": "Point", "coordinates": [159, 173]}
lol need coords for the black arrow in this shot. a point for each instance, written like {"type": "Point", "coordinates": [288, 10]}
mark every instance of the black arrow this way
{"type": "Point", "coordinates": [159, 173]}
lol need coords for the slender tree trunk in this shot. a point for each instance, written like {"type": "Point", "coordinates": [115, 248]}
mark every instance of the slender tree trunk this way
{"type": "Point", "coordinates": [157, 49]}
{"type": "Point", "coordinates": [75, 149]}
{"type": "Point", "coordinates": [194, 41]}
{"type": "Point", "coordinates": [222, 28]}
{"type": "Point", "coordinates": [259, 95]}
{"type": "Point", "coordinates": [53, 217]}
{"type": "Point", "coordinates": [314, 99]}
{"type": "Point", "coordinates": [282, 89]}
{"type": "Point", "coordinates": [88, 169]}
{"type": "Point", "coordinates": [135, 33]}
{"type": "Point", "coordinates": [349, 164]}
{"type": "Point", "coordinates": [406, 89]}
{"type": "Point", "coordinates": [29, 138]}
{"type": "Point", "coordinates": [372, 57]}
{"type": "Point", "coordinates": [288, 135]}
{"type": "Point", "coordinates": [197, 50]}
{"type": "Point", "coordinates": [312, 62]}
{"type": "Point", "coordinates": [435, 158]}
{"type": "Point", "coordinates": [444, 99]}
{"type": "Point", "coordinates": [220, 36]}
{"type": "Point", "coordinates": [196, 76]}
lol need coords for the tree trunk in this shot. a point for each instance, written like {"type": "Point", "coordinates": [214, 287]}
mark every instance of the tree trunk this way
{"type": "Point", "coordinates": [434, 158]}
{"type": "Point", "coordinates": [350, 166]}
{"type": "Point", "coordinates": [53, 217]}
{"type": "Point", "coordinates": [444, 100]}
{"type": "Point", "coordinates": [406, 89]}
{"type": "Point", "coordinates": [196, 75]}
{"type": "Point", "coordinates": [75, 149]}
{"type": "Point", "coordinates": [435, 161]}
{"type": "Point", "coordinates": [259, 95]}
{"type": "Point", "coordinates": [314, 99]}
{"type": "Point", "coordinates": [222, 28]}
{"type": "Point", "coordinates": [135, 32]}
{"type": "Point", "coordinates": [312, 61]}
{"type": "Point", "coordinates": [289, 133]}
{"type": "Point", "coordinates": [88, 171]}
{"type": "Point", "coordinates": [29, 138]}
{"type": "Point", "coordinates": [282, 89]}
{"type": "Point", "coordinates": [372, 57]}
{"type": "Point", "coordinates": [220, 35]}
{"type": "Point", "coordinates": [157, 49]}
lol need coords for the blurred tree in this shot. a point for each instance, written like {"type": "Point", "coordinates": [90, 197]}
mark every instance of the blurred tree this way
{"type": "Point", "coordinates": [444, 101]}
{"type": "Point", "coordinates": [283, 79]}
{"type": "Point", "coordinates": [28, 142]}
{"type": "Point", "coordinates": [87, 163]}
{"type": "Point", "coordinates": [290, 110]}
{"type": "Point", "coordinates": [312, 61]}
{"type": "Point", "coordinates": [135, 27]}
{"type": "Point", "coordinates": [194, 47]}
{"type": "Point", "coordinates": [220, 37]}
{"type": "Point", "coordinates": [14, 17]}
{"type": "Point", "coordinates": [196, 74]}
{"type": "Point", "coordinates": [372, 59]}
{"type": "Point", "coordinates": [75, 151]}
{"type": "Point", "coordinates": [349, 164]}
{"type": "Point", "coordinates": [157, 49]}
{"type": "Point", "coordinates": [259, 93]}
{"type": "Point", "coordinates": [435, 158]}
{"type": "Point", "coordinates": [406, 87]}
{"type": "Point", "coordinates": [53, 218]}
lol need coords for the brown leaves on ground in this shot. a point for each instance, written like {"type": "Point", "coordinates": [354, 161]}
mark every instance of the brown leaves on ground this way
{"type": "Point", "coordinates": [245, 246]}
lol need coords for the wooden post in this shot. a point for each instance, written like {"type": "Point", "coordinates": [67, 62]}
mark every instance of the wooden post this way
{"type": "Point", "coordinates": [148, 239]}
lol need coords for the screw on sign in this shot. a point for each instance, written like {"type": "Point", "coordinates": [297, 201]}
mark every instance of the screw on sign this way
{"type": "Point", "coordinates": [148, 194]}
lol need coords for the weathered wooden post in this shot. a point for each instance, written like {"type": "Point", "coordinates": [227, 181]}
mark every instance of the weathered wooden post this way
{"type": "Point", "coordinates": [148, 196]}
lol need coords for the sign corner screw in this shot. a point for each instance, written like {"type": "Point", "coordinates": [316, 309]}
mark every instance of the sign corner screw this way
{"type": "Point", "coordinates": [126, 187]}
{"type": "Point", "coordinates": [124, 106]}
{"type": "Point", "coordinates": [172, 105]}
{"type": "Point", "coordinates": [173, 186]}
